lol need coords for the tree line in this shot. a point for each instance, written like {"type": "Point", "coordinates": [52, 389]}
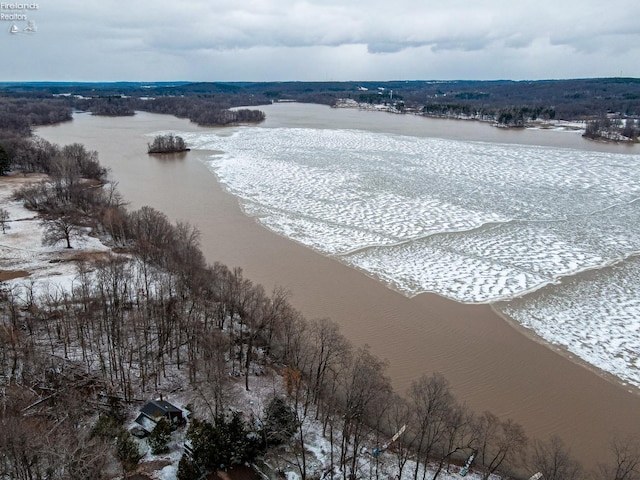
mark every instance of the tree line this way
{"type": "Point", "coordinates": [19, 114]}
{"type": "Point", "coordinates": [614, 129]}
{"type": "Point", "coordinates": [205, 111]}
{"type": "Point", "coordinates": [132, 320]}
{"type": "Point", "coordinates": [511, 116]}
{"type": "Point", "coordinates": [21, 110]}
{"type": "Point", "coordinates": [506, 102]}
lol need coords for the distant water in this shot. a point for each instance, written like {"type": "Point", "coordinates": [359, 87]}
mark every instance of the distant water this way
{"type": "Point", "coordinates": [550, 233]}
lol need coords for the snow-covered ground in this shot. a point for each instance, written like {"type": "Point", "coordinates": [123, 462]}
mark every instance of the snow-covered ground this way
{"type": "Point", "coordinates": [473, 221]}
{"type": "Point", "coordinates": [283, 459]}
{"type": "Point", "coordinates": [50, 268]}
{"type": "Point", "coordinates": [52, 271]}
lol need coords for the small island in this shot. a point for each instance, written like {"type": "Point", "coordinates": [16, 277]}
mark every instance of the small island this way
{"type": "Point", "coordinates": [167, 144]}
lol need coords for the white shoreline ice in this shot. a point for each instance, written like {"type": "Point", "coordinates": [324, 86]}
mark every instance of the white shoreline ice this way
{"type": "Point", "coordinates": [473, 221]}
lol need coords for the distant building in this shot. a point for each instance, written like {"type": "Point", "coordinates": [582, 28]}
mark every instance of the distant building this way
{"type": "Point", "coordinates": [154, 410]}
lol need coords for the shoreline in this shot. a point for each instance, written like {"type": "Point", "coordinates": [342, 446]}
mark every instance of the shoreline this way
{"type": "Point", "coordinates": [489, 363]}
{"type": "Point", "coordinates": [493, 305]}
{"type": "Point", "coordinates": [563, 351]}
{"type": "Point", "coordinates": [575, 126]}
{"type": "Point", "coordinates": [473, 313]}
{"type": "Point", "coordinates": [569, 125]}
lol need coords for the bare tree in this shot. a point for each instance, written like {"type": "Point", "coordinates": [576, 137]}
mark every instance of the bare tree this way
{"type": "Point", "coordinates": [4, 220]}
{"type": "Point", "coordinates": [297, 392]}
{"type": "Point", "coordinates": [364, 384]}
{"type": "Point", "coordinates": [430, 400]}
{"type": "Point", "coordinates": [35, 155]}
{"type": "Point", "coordinates": [328, 349]}
{"type": "Point", "coordinates": [21, 444]}
{"type": "Point", "coordinates": [255, 315]}
{"type": "Point", "coordinates": [459, 436]}
{"type": "Point", "coordinates": [78, 161]}
{"type": "Point", "coordinates": [60, 227]}
{"type": "Point", "coordinates": [5, 161]}
{"type": "Point", "coordinates": [213, 346]}
{"type": "Point", "coordinates": [153, 234]}
{"type": "Point", "coordinates": [398, 414]}
{"type": "Point", "coordinates": [501, 443]}
{"type": "Point", "coordinates": [553, 459]}
{"type": "Point", "coordinates": [10, 350]}
{"type": "Point", "coordinates": [76, 456]}
{"type": "Point", "coordinates": [114, 221]}
{"type": "Point", "coordinates": [293, 340]}
{"type": "Point", "coordinates": [185, 250]}
{"type": "Point", "coordinates": [626, 459]}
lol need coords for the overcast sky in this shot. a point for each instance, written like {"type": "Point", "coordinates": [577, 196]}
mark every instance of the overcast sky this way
{"type": "Point", "coordinates": [319, 40]}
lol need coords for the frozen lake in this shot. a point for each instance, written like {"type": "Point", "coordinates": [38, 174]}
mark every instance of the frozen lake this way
{"type": "Point", "coordinates": [550, 233]}
{"type": "Point", "coordinates": [491, 366]}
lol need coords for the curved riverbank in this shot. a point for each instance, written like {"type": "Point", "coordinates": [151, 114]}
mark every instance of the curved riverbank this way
{"type": "Point", "coordinates": [566, 353]}
{"type": "Point", "coordinates": [489, 364]}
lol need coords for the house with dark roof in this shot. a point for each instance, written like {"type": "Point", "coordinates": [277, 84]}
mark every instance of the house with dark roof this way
{"type": "Point", "coordinates": [154, 410]}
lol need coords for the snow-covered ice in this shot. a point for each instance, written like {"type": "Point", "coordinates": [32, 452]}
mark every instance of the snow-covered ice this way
{"type": "Point", "coordinates": [476, 222]}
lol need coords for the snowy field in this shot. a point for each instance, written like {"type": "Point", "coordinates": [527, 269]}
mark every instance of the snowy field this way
{"type": "Point", "coordinates": [52, 269]}
{"type": "Point", "coordinates": [475, 222]}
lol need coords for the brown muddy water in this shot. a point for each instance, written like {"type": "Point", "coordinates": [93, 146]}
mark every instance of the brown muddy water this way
{"type": "Point", "coordinates": [490, 364]}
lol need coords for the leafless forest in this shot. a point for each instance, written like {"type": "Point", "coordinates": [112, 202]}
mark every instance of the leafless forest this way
{"type": "Point", "coordinates": [154, 310]}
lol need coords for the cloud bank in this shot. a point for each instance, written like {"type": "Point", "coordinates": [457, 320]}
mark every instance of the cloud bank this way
{"type": "Point", "coordinates": [325, 40]}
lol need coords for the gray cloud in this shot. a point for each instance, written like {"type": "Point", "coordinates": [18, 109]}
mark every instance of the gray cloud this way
{"type": "Point", "coordinates": [110, 40]}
